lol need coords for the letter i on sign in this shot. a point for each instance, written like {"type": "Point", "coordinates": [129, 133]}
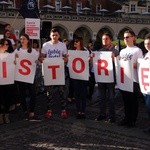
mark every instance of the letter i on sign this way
{"type": "Point", "coordinates": [4, 70]}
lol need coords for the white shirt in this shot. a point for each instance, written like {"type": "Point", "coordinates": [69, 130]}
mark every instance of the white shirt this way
{"type": "Point", "coordinates": [132, 53]}
{"type": "Point", "coordinates": [54, 50]}
{"type": "Point", "coordinates": [25, 51]}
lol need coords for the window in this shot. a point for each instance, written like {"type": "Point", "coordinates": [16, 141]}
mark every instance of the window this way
{"type": "Point", "coordinates": [133, 8]}
{"type": "Point", "coordinates": [78, 7]}
{"type": "Point", "coordinates": [58, 5]}
{"type": "Point", "coordinates": [98, 8]}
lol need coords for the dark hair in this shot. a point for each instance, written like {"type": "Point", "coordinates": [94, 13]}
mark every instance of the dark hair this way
{"type": "Point", "coordinates": [7, 24]}
{"type": "Point", "coordinates": [130, 31]}
{"type": "Point", "coordinates": [35, 42]}
{"type": "Point", "coordinates": [5, 33]}
{"type": "Point", "coordinates": [10, 48]}
{"type": "Point", "coordinates": [29, 46]}
{"type": "Point", "coordinates": [81, 42]}
{"type": "Point", "coordinates": [54, 30]}
{"type": "Point", "coordinates": [147, 36]}
{"type": "Point", "coordinates": [2, 41]}
{"type": "Point", "coordinates": [108, 34]}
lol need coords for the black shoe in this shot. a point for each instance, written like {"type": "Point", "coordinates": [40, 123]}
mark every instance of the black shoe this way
{"type": "Point", "coordinates": [100, 118]}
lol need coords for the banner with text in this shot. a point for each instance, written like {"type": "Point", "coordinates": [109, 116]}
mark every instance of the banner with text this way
{"type": "Point", "coordinates": [54, 71]}
{"type": "Point", "coordinates": [144, 75]}
{"type": "Point", "coordinates": [103, 67]}
{"type": "Point", "coordinates": [25, 67]}
{"type": "Point", "coordinates": [7, 68]}
{"type": "Point", "coordinates": [124, 74]}
{"type": "Point", "coordinates": [78, 64]}
{"type": "Point", "coordinates": [32, 28]}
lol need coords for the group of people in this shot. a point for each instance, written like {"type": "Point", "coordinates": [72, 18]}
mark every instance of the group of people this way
{"type": "Point", "coordinates": [78, 89]}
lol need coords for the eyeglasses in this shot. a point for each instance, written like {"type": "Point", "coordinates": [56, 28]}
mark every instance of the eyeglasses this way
{"type": "Point", "coordinates": [127, 37]}
{"type": "Point", "coordinates": [76, 41]}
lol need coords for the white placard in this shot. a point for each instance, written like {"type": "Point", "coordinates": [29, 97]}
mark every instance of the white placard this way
{"type": "Point", "coordinates": [78, 65]}
{"type": "Point", "coordinates": [103, 67]}
{"type": "Point", "coordinates": [7, 68]}
{"type": "Point", "coordinates": [25, 67]}
{"type": "Point", "coordinates": [124, 74]}
{"type": "Point", "coordinates": [54, 71]}
{"type": "Point", "coordinates": [144, 75]}
{"type": "Point", "coordinates": [32, 28]}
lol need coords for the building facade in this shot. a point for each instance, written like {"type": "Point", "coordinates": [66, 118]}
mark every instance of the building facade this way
{"type": "Point", "coordinates": [85, 18]}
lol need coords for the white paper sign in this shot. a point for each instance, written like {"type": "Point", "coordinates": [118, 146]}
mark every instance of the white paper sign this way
{"type": "Point", "coordinates": [144, 75]}
{"type": "Point", "coordinates": [32, 28]}
{"type": "Point", "coordinates": [124, 74]}
{"type": "Point", "coordinates": [7, 68]}
{"type": "Point", "coordinates": [103, 67]}
{"type": "Point", "coordinates": [54, 71]}
{"type": "Point", "coordinates": [78, 65]}
{"type": "Point", "coordinates": [25, 67]}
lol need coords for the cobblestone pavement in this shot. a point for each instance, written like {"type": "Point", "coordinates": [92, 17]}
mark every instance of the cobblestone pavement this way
{"type": "Point", "coordinates": [73, 134]}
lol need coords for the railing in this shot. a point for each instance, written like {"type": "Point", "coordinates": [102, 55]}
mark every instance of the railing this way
{"type": "Point", "coordinates": [87, 18]}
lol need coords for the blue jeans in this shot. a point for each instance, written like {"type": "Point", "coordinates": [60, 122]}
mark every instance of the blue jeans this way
{"type": "Point", "coordinates": [147, 102]}
{"type": "Point", "coordinates": [107, 91]}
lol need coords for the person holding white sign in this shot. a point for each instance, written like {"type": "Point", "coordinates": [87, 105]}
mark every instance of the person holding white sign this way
{"type": "Point", "coordinates": [107, 89]}
{"type": "Point", "coordinates": [6, 90]}
{"type": "Point", "coordinates": [24, 86]}
{"type": "Point", "coordinates": [52, 49]}
{"type": "Point", "coordinates": [79, 84]}
{"type": "Point", "coordinates": [147, 56]}
{"type": "Point", "coordinates": [130, 99]}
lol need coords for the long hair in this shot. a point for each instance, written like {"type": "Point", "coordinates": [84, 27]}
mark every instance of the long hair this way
{"type": "Point", "coordinates": [29, 46]}
{"type": "Point", "coordinates": [10, 48]}
{"type": "Point", "coordinates": [5, 33]}
{"type": "Point", "coordinates": [80, 39]}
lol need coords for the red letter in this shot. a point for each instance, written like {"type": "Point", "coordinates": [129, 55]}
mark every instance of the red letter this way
{"type": "Point", "coordinates": [22, 63]}
{"type": "Point", "coordinates": [4, 70]}
{"type": "Point", "coordinates": [80, 70]}
{"type": "Point", "coordinates": [122, 74]}
{"type": "Point", "coordinates": [102, 65]}
{"type": "Point", "coordinates": [53, 70]}
{"type": "Point", "coordinates": [144, 76]}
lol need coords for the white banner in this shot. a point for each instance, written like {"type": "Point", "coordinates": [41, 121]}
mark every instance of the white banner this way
{"type": "Point", "coordinates": [124, 74]}
{"type": "Point", "coordinates": [103, 67]}
{"type": "Point", "coordinates": [32, 28]}
{"type": "Point", "coordinates": [7, 68]}
{"type": "Point", "coordinates": [54, 71]}
{"type": "Point", "coordinates": [25, 67]}
{"type": "Point", "coordinates": [78, 64]}
{"type": "Point", "coordinates": [144, 75]}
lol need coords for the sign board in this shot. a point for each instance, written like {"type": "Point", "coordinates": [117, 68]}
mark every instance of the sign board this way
{"type": "Point", "coordinates": [32, 28]}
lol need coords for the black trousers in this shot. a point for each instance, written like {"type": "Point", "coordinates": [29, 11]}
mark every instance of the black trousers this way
{"type": "Point", "coordinates": [6, 97]}
{"type": "Point", "coordinates": [131, 103]}
{"type": "Point", "coordinates": [27, 90]}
